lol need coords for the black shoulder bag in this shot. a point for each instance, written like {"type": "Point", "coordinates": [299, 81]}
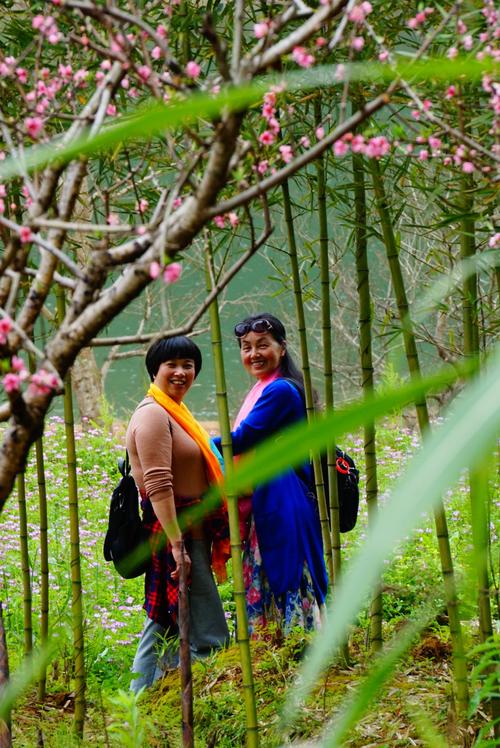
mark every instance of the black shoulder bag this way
{"type": "Point", "coordinates": [127, 541]}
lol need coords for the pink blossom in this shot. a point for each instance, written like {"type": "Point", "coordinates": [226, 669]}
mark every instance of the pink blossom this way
{"type": "Point", "coordinates": [340, 72]}
{"type": "Point", "coordinates": [65, 71]}
{"type": "Point", "coordinates": [233, 219]}
{"type": "Point", "coordinates": [274, 125]}
{"type": "Point", "coordinates": [154, 270]}
{"type": "Point", "coordinates": [383, 56]}
{"type": "Point", "coordinates": [261, 29]}
{"type": "Point", "coordinates": [450, 92]}
{"type": "Point", "coordinates": [304, 141]}
{"type": "Point", "coordinates": [143, 205]}
{"type": "Point", "coordinates": [22, 75]}
{"type": "Point", "coordinates": [268, 110]}
{"type": "Point", "coordinates": [11, 383]}
{"type": "Point", "coordinates": [357, 43]}
{"type": "Point", "coordinates": [144, 73]}
{"type": "Point", "coordinates": [468, 42]}
{"type": "Point", "coordinates": [427, 104]}
{"type": "Point", "coordinates": [461, 27]}
{"type": "Point", "coordinates": [357, 14]}
{"type": "Point", "coordinates": [192, 69]}
{"type": "Point", "coordinates": [320, 132]}
{"type": "Point", "coordinates": [434, 142]}
{"type": "Point", "coordinates": [3, 191]}
{"type": "Point", "coordinates": [43, 382]}
{"type": "Point", "coordinates": [321, 41]}
{"type": "Point", "coordinates": [286, 153]}
{"type": "Point", "coordinates": [172, 273]}
{"type": "Point", "coordinates": [452, 53]}
{"type": "Point", "coordinates": [494, 240]}
{"type": "Point", "coordinates": [33, 126]}
{"type": "Point", "coordinates": [468, 167]}
{"type": "Point", "coordinates": [25, 234]}
{"type": "Point", "coordinates": [220, 221]}
{"type": "Point", "coordinates": [415, 113]}
{"type": "Point", "coordinates": [156, 53]}
{"type": "Point", "coordinates": [2, 206]}
{"type": "Point", "coordinates": [423, 155]}
{"type": "Point", "coordinates": [358, 144]}
{"type": "Point", "coordinates": [412, 23]}
{"type": "Point", "coordinates": [5, 328]}
{"type": "Point", "coordinates": [340, 148]}
{"type": "Point", "coordinates": [267, 137]}
{"type": "Point", "coordinates": [447, 160]}
{"type": "Point", "coordinates": [177, 203]}
{"type": "Point", "coordinates": [113, 219]}
{"type": "Point", "coordinates": [17, 365]}
{"type": "Point", "coordinates": [38, 21]}
{"type": "Point", "coordinates": [377, 147]}
{"type": "Point", "coordinates": [262, 166]}
{"type": "Point", "coordinates": [111, 110]}
{"type": "Point", "coordinates": [302, 57]}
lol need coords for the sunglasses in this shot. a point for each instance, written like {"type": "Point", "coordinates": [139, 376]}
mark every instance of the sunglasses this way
{"type": "Point", "coordinates": [258, 325]}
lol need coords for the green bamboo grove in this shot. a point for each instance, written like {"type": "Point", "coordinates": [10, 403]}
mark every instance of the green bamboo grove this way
{"type": "Point", "coordinates": [370, 194]}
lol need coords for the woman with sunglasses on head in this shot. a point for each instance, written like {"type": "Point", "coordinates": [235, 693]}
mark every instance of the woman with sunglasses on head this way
{"type": "Point", "coordinates": [283, 564]}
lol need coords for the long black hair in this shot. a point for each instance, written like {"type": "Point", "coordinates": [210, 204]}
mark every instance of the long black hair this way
{"type": "Point", "coordinates": [167, 349]}
{"type": "Point", "coordinates": [287, 368]}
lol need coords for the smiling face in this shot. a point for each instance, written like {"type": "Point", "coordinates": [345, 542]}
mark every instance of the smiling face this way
{"type": "Point", "coordinates": [175, 377]}
{"type": "Point", "coordinates": [261, 354]}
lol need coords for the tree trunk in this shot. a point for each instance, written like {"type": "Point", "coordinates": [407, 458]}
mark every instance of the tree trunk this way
{"type": "Point", "coordinates": [44, 561]}
{"type": "Point", "coordinates": [365, 346]}
{"type": "Point", "coordinates": [88, 387]}
{"type": "Point", "coordinates": [391, 246]}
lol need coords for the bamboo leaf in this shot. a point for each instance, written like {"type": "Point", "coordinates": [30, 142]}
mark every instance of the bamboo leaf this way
{"type": "Point", "coordinates": [462, 440]}
{"type": "Point", "coordinates": [32, 667]}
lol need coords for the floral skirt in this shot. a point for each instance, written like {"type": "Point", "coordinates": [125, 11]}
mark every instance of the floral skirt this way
{"type": "Point", "coordinates": [295, 608]}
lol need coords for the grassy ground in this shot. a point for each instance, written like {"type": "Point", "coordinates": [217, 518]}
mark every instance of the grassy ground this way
{"type": "Point", "coordinates": [113, 619]}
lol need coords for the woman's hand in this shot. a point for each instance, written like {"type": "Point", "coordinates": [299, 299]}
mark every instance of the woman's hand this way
{"type": "Point", "coordinates": [180, 556]}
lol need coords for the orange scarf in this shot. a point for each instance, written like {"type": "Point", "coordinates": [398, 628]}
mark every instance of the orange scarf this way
{"type": "Point", "coordinates": [183, 416]}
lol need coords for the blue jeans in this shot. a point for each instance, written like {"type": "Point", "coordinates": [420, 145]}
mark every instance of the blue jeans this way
{"type": "Point", "coordinates": [158, 650]}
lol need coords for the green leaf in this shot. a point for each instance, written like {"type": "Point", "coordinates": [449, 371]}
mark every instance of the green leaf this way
{"type": "Point", "coordinates": [460, 441]}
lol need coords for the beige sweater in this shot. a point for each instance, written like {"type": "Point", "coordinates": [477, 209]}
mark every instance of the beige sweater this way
{"type": "Point", "coordinates": [165, 461]}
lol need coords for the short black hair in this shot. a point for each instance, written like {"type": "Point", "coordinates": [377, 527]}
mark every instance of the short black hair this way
{"type": "Point", "coordinates": [167, 349]}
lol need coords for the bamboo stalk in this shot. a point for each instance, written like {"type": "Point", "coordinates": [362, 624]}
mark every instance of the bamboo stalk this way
{"type": "Point", "coordinates": [25, 564]}
{"type": "Point", "coordinates": [74, 534]}
{"type": "Point", "coordinates": [5, 733]}
{"type": "Point", "coordinates": [326, 329]}
{"type": "Point", "coordinates": [452, 603]}
{"type": "Point", "coordinates": [367, 375]}
{"type": "Point", "coordinates": [478, 477]}
{"type": "Point", "coordinates": [185, 661]}
{"type": "Point", "coordinates": [44, 561]}
{"type": "Point", "coordinates": [242, 637]}
{"type": "Point", "coordinates": [306, 370]}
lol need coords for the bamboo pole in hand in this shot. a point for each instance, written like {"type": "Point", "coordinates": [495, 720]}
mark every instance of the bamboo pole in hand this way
{"type": "Point", "coordinates": [252, 726]}
{"type": "Point", "coordinates": [5, 733]}
{"type": "Point", "coordinates": [185, 660]}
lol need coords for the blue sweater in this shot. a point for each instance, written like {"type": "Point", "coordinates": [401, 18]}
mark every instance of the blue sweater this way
{"type": "Point", "coordinates": [286, 517]}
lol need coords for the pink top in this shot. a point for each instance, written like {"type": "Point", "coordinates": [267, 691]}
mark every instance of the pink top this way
{"type": "Point", "coordinates": [252, 397]}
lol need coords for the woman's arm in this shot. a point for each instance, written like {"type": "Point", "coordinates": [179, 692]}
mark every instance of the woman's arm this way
{"type": "Point", "coordinates": [153, 440]}
{"type": "Point", "coordinates": [279, 405]}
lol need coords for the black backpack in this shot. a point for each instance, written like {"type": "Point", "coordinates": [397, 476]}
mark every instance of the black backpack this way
{"type": "Point", "coordinates": [347, 482]}
{"type": "Point", "coordinates": [127, 541]}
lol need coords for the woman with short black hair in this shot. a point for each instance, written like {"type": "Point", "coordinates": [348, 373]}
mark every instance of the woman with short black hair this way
{"type": "Point", "coordinates": [173, 463]}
